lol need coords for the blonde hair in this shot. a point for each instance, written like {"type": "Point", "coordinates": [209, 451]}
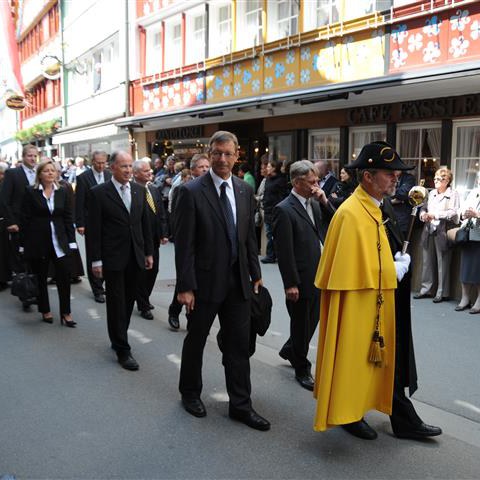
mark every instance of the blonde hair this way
{"type": "Point", "coordinates": [40, 168]}
{"type": "Point", "coordinates": [445, 172]}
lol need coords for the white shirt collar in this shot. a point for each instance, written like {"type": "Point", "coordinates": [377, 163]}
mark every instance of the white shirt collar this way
{"type": "Point", "coordinates": [219, 180]}
{"type": "Point", "coordinates": [40, 187]}
{"type": "Point", "coordinates": [302, 200]}
{"type": "Point", "coordinates": [118, 185]}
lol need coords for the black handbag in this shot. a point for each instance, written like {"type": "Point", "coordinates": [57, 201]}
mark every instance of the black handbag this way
{"type": "Point", "coordinates": [463, 234]}
{"type": "Point", "coordinates": [25, 287]}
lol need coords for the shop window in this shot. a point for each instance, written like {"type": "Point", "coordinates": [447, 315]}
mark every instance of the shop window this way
{"type": "Point", "coordinates": [249, 23]}
{"type": "Point", "coordinates": [282, 19]}
{"type": "Point", "coordinates": [419, 146]}
{"type": "Point", "coordinates": [154, 50]}
{"type": "Point", "coordinates": [361, 136]}
{"type": "Point", "coordinates": [325, 145]}
{"type": "Point", "coordinates": [280, 148]}
{"type": "Point", "coordinates": [173, 43]}
{"type": "Point", "coordinates": [195, 33]}
{"type": "Point", "coordinates": [220, 41]}
{"type": "Point", "coordinates": [466, 161]}
{"type": "Point", "coordinates": [318, 13]}
{"type": "Point", "coordinates": [360, 8]}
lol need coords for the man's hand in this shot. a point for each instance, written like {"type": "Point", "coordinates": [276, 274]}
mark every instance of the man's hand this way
{"type": "Point", "coordinates": [97, 271]}
{"type": "Point", "coordinates": [292, 294]}
{"type": "Point", "coordinates": [149, 262]}
{"type": "Point", "coordinates": [13, 228]}
{"type": "Point", "coordinates": [81, 230]}
{"type": "Point", "coordinates": [164, 241]}
{"type": "Point", "coordinates": [187, 299]}
{"type": "Point", "coordinates": [257, 285]}
{"type": "Point", "coordinates": [319, 194]}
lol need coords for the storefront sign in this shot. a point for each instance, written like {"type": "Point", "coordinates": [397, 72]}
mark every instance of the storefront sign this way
{"type": "Point", "coordinates": [182, 133]}
{"type": "Point", "coordinates": [372, 114]}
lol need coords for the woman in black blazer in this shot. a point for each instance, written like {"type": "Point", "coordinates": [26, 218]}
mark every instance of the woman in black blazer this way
{"type": "Point", "coordinates": [48, 234]}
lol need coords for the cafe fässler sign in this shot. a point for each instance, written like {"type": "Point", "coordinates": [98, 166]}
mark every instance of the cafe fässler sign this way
{"type": "Point", "coordinates": [415, 110]}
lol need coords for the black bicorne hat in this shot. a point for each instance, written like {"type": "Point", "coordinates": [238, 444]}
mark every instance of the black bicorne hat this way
{"type": "Point", "coordinates": [379, 155]}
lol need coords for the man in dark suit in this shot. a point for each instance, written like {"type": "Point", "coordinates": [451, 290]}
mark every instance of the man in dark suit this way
{"type": "Point", "coordinates": [216, 258]}
{"type": "Point", "coordinates": [401, 206]}
{"type": "Point", "coordinates": [121, 247]}
{"type": "Point", "coordinates": [142, 174]}
{"type": "Point", "coordinates": [327, 179]}
{"type": "Point", "coordinates": [298, 229]}
{"type": "Point", "coordinates": [14, 185]}
{"type": "Point", "coordinates": [85, 181]}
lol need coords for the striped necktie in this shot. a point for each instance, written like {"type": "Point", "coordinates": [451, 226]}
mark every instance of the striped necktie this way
{"type": "Point", "coordinates": [150, 201]}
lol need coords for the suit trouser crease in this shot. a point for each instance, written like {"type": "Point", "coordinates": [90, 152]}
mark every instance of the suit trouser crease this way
{"type": "Point", "coordinates": [304, 316]}
{"type": "Point", "coordinates": [96, 284]}
{"type": "Point", "coordinates": [120, 298]}
{"type": "Point", "coordinates": [433, 256]}
{"type": "Point", "coordinates": [175, 307]}
{"type": "Point", "coordinates": [234, 318]}
{"type": "Point", "coordinates": [63, 269]}
{"type": "Point", "coordinates": [146, 282]}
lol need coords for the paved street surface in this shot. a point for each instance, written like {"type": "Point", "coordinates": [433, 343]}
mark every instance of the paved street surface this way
{"type": "Point", "coordinates": [68, 411]}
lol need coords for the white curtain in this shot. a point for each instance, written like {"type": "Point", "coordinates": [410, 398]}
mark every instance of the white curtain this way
{"type": "Point", "coordinates": [434, 140]}
{"type": "Point", "coordinates": [467, 158]}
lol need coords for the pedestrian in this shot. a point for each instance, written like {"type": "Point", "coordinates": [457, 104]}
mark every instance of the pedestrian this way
{"type": "Point", "coordinates": [328, 180]}
{"type": "Point", "coordinates": [356, 362]}
{"type": "Point", "coordinates": [47, 235]}
{"type": "Point", "coordinates": [5, 269]}
{"type": "Point", "coordinates": [438, 214]}
{"type": "Point", "coordinates": [85, 182]}
{"type": "Point", "coordinates": [400, 201]}
{"type": "Point", "coordinates": [344, 188]}
{"type": "Point", "coordinates": [216, 258]}
{"type": "Point", "coordinates": [299, 229]}
{"type": "Point", "coordinates": [142, 174]}
{"type": "Point", "coordinates": [245, 175]}
{"type": "Point", "coordinates": [13, 189]}
{"type": "Point", "coordinates": [121, 247]}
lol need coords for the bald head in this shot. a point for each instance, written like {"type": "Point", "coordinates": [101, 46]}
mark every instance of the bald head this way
{"type": "Point", "coordinates": [121, 166]}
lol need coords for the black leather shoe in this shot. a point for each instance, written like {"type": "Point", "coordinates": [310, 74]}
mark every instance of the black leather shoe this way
{"type": "Point", "coordinates": [194, 406]}
{"type": "Point", "coordinates": [26, 306]}
{"type": "Point", "coordinates": [285, 354]}
{"type": "Point", "coordinates": [305, 380]}
{"type": "Point", "coordinates": [250, 418]}
{"type": "Point", "coordinates": [100, 298]}
{"type": "Point", "coordinates": [361, 429]}
{"type": "Point", "coordinates": [174, 322]}
{"type": "Point", "coordinates": [150, 306]}
{"type": "Point", "coordinates": [417, 296]}
{"type": "Point", "coordinates": [417, 432]}
{"type": "Point", "coordinates": [146, 314]}
{"type": "Point", "coordinates": [127, 361]}
{"type": "Point", "coordinates": [268, 260]}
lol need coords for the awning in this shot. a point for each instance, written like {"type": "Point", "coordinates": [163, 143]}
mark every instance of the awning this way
{"type": "Point", "coordinates": [84, 134]}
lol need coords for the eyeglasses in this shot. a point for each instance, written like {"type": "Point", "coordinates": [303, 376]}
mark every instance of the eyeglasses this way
{"type": "Point", "coordinates": [439, 179]}
{"type": "Point", "coordinates": [227, 155]}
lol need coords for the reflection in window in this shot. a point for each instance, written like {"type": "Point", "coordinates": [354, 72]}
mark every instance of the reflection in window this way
{"type": "Point", "coordinates": [325, 145]}
{"type": "Point", "coordinates": [280, 148]}
{"type": "Point", "coordinates": [466, 163]}
{"type": "Point", "coordinates": [361, 136]}
{"type": "Point", "coordinates": [318, 13]}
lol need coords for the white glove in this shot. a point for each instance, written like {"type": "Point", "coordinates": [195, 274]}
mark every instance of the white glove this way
{"type": "Point", "coordinates": [402, 262]}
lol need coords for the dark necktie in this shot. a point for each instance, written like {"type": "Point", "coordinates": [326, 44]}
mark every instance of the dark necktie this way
{"type": "Point", "coordinates": [228, 213]}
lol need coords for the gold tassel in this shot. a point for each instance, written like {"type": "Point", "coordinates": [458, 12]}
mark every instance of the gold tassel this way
{"type": "Point", "coordinates": [375, 353]}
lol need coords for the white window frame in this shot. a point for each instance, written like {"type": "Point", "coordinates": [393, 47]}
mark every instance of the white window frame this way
{"type": "Point", "coordinates": [153, 63]}
{"type": "Point", "coordinates": [354, 151]}
{"type": "Point", "coordinates": [461, 187]}
{"type": "Point", "coordinates": [312, 9]}
{"type": "Point", "coordinates": [324, 132]}
{"type": "Point", "coordinates": [274, 20]}
{"type": "Point", "coordinates": [173, 43]}
{"type": "Point", "coordinates": [249, 35]}
{"type": "Point", "coordinates": [219, 43]}
{"type": "Point", "coordinates": [195, 39]}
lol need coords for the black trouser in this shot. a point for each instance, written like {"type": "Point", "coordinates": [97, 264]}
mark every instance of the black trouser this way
{"type": "Point", "coordinates": [304, 316]}
{"type": "Point", "coordinates": [96, 284]}
{"type": "Point", "coordinates": [146, 282]}
{"type": "Point", "coordinates": [62, 267]}
{"type": "Point", "coordinates": [175, 307]}
{"type": "Point", "coordinates": [120, 295]}
{"type": "Point", "coordinates": [234, 316]}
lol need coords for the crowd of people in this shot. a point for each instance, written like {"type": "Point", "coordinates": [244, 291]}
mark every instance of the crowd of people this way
{"type": "Point", "coordinates": [337, 244]}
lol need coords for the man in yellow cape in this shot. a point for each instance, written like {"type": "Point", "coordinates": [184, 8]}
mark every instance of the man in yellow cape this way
{"type": "Point", "coordinates": [357, 274]}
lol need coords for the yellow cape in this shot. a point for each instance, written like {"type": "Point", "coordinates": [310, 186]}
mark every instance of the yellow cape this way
{"type": "Point", "coordinates": [347, 385]}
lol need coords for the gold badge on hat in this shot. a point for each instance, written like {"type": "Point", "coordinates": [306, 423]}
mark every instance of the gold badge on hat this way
{"type": "Point", "coordinates": [388, 159]}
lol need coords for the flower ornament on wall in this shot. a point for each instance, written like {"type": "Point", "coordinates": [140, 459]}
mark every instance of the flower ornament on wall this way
{"type": "Point", "coordinates": [290, 57]}
{"type": "Point", "coordinates": [268, 82]}
{"type": "Point", "coordinates": [399, 33]}
{"type": "Point", "coordinates": [209, 93]}
{"type": "Point", "coordinates": [236, 69]}
{"type": "Point", "coordinates": [431, 52]}
{"type": "Point", "coordinates": [460, 20]}
{"type": "Point", "coordinates": [269, 61]}
{"type": "Point", "coordinates": [458, 47]}
{"type": "Point", "coordinates": [305, 53]}
{"type": "Point", "coordinates": [247, 76]}
{"type": "Point", "coordinates": [415, 42]}
{"type": "Point", "coordinates": [398, 57]}
{"type": "Point", "coordinates": [165, 102]}
{"type": "Point", "coordinates": [432, 27]}
{"type": "Point", "coordinates": [290, 79]}
{"type": "Point", "coordinates": [226, 91]}
{"type": "Point", "coordinates": [475, 30]}
{"type": "Point", "coordinates": [256, 85]}
{"type": "Point", "coordinates": [218, 83]}
{"type": "Point", "coordinates": [226, 72]}
{"type": "Point", "coordinates": [256, 65]}
{"type": "Point", "coordinates": [305, 75]}
{"type": "Point", "coordinates": [237, 88]}
{"type": "Point", "coordinates": [177, 100]}
{"type": "Point", "coordinates": [199, 95]}
{"type": "Point", "coordinates": [279, 70]}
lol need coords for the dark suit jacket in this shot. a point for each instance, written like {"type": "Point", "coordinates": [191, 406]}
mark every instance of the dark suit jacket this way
{"type": "Point", "coordinates": [13, 190]}
{"type": "Point", "coordinates": [297, 243]}
{"type": "Point", "coordinates": [158, 220]}
{"type": "Point", "coordinates": [35, 230]}
{"type": "Point", "coordinates": [202, 246]}
{"type": "Point", "coordinates": [329, 185]}
{"type": "Point", "coordinates": [84, 182]}
{"type": "Point", "coordinates": [113, 231]}
{"type": "Point", "coordinates": [403, 210]}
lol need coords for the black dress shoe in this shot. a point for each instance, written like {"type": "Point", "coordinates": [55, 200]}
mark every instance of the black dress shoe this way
{"type": "Point", "coordinates": [146, 314]}
{"type": "Point", "coordinates": [174, 322]}
{"type": "Point", "coordinates": [100, 298]}
{"type": "Point", "coordinates": [250, 418]}
{"type": "Point", "coordinates": [417, 296]}
{"type": "Point", "coordinates": [417, 432]}
{"type": "Point", "coordinates": [194, 406]}
{"type": "Point", "coordinates": [285, 354]}
{"type": "Point", "coordinates": [268, 260]}
{"type": "Point", "coordinates": [150, 306]}
{"type": "Point", "coordinates": [26, 306]}
{"type": "Point", "coordinates": [127, 361]}
{"type": "Point", "coordinates": [305, 380]}
{"type": "Point", "coordinates": [361, 429]}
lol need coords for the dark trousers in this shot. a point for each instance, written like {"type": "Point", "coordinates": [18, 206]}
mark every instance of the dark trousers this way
{"type": "Point", "coordinates": [16, 263]}
{"type": "Point", "coordinates": [96, 284]}
{"type": "Point", "coordinates": [62, 267]}
{"type": "Point", "coordinates": [270, 249]}
{"type": "Point", "coordinates": [175, 307]}
{"type": "Point", "coordinates": [120, 295]}
{"type": "Point", "coordinates": [146, 282]}
{"type": "Point", "coordinates": [304, 315]}
{"type": "Point", "coordinates": [234, 316]}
